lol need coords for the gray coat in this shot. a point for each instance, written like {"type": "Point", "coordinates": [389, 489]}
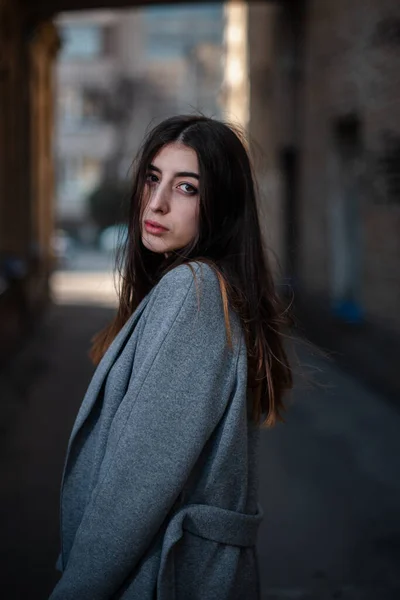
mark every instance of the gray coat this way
{"type": "Point", "coordinates": [158, 497]}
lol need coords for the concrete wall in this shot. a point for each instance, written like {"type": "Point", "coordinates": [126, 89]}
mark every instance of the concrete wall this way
{"type": "Point", "coordinates": [325, 97]}
{"type": "Point", "coordinates": [351, 98]}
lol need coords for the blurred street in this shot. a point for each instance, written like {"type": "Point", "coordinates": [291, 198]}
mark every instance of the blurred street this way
{"type": "Point", "coordinates": [330, 485]}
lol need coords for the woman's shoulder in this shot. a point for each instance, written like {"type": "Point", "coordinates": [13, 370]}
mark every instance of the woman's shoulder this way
{"type": "Point", "coordinates": [191, 289]}
{"type": "Point", "coordinates": [197, 288]}
{"type": "Point", "coordinates": [194, 275]}
{"type": "Point", "coordinates": [186, 272]}
{"type": "Point", "coordinates": [189, 296]}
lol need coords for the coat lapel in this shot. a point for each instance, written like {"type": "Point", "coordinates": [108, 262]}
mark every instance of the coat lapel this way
{"type": "Point", "coordinates": [103, 368]}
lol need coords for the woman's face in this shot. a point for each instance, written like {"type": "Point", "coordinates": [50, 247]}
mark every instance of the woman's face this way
{"type": "Point", "coordinates": [171, 212]}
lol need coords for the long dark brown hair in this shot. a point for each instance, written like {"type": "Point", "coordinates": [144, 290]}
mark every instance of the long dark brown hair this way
{"type": "Point", "coordinates": [229, 240]}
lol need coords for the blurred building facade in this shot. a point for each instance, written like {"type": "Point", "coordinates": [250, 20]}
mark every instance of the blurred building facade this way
{"type": "Point", "coordinates": [325, 110]}
{"type": "Point", "coordinates": [119, 72]}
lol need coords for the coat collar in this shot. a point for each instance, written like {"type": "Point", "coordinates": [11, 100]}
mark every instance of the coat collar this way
{"type": "Point", "coordinates": [103, 369]}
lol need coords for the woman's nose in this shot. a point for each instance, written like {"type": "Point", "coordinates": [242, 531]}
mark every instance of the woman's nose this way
{"type": "Point", "coordinates": [159, 199]}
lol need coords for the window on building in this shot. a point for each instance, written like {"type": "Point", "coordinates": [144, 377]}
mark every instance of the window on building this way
{"type": "Point", "coordinates": [79, 107]}
{"type": "Point", "coordinates": [68, 171]}
{"type": "Point", "coordinates": [109, 40]}
{"type": "Point", "coordinates": [78, 176]}
{"type": "Point", "coordinates": [70, 105]}
{"type": "Point", "coordinates": [91, 106]}
{"type": "Point", "coordinates": [82, 41]}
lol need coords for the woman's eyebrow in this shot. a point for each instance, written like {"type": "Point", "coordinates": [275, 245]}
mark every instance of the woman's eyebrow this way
{"type": "Point", "coordinates": [187, 174]}
{"type": "Point", "coordinates": [179, 174]}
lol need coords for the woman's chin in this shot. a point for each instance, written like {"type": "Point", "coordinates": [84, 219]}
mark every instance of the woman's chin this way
{"type": "Point", "coordinates": [155, 246]}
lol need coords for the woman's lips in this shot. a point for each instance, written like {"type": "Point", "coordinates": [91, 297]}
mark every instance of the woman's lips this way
{"type": "Point", "coordinates": [153, 228]}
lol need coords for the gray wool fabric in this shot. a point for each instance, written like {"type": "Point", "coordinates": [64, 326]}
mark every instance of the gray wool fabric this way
{"type": "Point", "coordinates": [159, 491]}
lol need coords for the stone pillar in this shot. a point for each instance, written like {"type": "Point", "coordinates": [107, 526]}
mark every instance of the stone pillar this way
{"type": "Point", "coordinates": [14, 170]}
{"type": "Point", "coordinates": [262, 58]}
{"type": "Point", "coordinates": [15, 216]}
{"type": "Point", "coordinates": [43, 50]}
{"type": "Point", "coordinates": [235, 90]}
{"type": "Point", "coordinates": [26, 168]}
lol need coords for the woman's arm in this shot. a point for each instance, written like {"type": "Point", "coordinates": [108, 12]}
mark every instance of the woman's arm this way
{"type": "Point", "coordinates": [172, 412]}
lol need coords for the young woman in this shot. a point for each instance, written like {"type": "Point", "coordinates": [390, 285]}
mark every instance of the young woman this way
{"type": "Point", "coordinates": [159, 494]}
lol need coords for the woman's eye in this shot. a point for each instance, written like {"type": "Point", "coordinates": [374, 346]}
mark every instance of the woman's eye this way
{"type": "Point", "coordinates": [151, 178]}
{"type": "Point", "coordinates": [188, 189]}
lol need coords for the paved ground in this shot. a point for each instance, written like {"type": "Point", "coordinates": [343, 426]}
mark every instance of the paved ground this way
{"type": "Point", "coordinates": [330, 477]}
{"type": "Point", "coordinates": [330, 486]}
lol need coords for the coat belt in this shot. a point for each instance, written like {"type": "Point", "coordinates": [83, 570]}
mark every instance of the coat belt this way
{"type": "Point", "coordinates": [210, 522]}
{"type": "Point", "coordinates": [220, 525]}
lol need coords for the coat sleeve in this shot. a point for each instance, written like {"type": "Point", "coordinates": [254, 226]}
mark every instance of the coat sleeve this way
{"type": "Point", "coordinates": [172, 412]}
